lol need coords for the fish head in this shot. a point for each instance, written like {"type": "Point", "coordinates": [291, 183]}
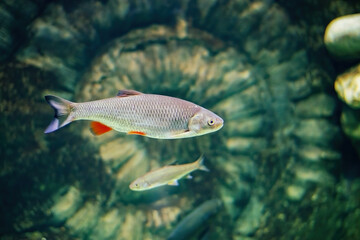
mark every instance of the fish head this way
{"type": "Point", "coordinates": [139, 184]}
{"type": "Point", "coordinates": [205, 121]}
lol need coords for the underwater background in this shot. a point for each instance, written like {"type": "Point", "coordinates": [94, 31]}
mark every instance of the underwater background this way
{"type": "Point", "coordinates": [284, 166]}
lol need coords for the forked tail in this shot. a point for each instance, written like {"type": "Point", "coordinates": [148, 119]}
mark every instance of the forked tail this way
{"type": "Point", "coordinates": [62, 110]}
{"type": "Point", "coordinates": [201, 165]}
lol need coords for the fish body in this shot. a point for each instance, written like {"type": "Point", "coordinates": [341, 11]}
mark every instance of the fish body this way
{"type": "Point", "coordinates": [195, 220]}
{"type": "Point", "coordinates": [133, 112]}
{"type": "Point", "coordinates": [167, 175]}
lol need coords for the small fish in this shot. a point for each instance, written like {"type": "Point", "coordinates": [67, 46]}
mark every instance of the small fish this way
{"type": "Point", "coordinates": [166, 175]}
{"type": "Point", "coordinates": [132, 112]}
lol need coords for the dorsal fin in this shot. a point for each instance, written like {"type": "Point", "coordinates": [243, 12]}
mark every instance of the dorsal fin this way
{"type": "Point", "coordinates": [126, 93]}
{"type": "Point", "coordinates": [173, 163]}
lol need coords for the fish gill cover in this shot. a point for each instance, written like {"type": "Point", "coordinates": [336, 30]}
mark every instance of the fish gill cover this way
{"type": "Point", "coordinates": [278, 164]}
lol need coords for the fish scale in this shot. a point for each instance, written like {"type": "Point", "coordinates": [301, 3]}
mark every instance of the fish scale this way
{"type": "Point", "coordinates": [121, 114]}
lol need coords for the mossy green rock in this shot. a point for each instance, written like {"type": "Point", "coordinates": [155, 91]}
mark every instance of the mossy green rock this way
{"type": "Point", "coordinates": [347, 86]}
{"type": "Point", "coordinates": [342, 37]}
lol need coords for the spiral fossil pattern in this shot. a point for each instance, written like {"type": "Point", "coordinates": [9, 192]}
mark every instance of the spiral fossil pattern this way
{"type": "Point", "coordinates": [243, 60]}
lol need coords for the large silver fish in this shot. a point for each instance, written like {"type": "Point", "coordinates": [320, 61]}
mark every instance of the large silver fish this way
{"type": "Point", "coordinates": [166, 175]}
{"type": "Point", "coordinates": [133, 112]}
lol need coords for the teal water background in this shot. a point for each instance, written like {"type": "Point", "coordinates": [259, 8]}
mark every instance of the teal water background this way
{"type": "Point", "coordinates": [281, 165]}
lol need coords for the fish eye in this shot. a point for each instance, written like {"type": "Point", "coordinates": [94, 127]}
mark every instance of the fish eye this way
{"type": "Point", "coordinates": [211, 122]}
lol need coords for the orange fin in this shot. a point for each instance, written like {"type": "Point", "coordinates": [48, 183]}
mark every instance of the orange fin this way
{"type": "Point", "coordinates": [137, 133]}
{"type": "Point", "coordinates": [98, 128]}
{"type": "Point", "coordinates": [126, 93]}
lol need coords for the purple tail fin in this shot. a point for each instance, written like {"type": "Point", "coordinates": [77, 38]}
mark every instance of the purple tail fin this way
{"type": "Point", "coordinates": [62, 110]}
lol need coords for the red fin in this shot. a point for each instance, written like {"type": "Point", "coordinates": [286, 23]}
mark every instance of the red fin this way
{"type": "Point", "coordinates": [126, 93]}
{"type": "Point", "coordinates": [137, 133]}
{"type": "Point", "coordinates": [99, 128]}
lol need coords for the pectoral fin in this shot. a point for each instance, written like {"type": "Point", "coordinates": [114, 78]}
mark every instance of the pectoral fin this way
{"type": "Point", "coordinates": [173, 183]}
{"type": "Point", "coordinates": [136, 133]}
{"type": "Point", "coordinates": [183, 134]}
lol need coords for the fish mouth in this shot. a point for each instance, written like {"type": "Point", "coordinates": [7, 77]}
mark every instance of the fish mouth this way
{"type": "Point", "coordinates": [220, 124]}
{"type": "Point", "coordinates": [132, 187]}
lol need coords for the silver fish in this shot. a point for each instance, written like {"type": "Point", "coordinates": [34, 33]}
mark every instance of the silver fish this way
{"type": "Point", "coordinates": [132, 112]}
{"type": "Point", "coordinates": [166, 175]}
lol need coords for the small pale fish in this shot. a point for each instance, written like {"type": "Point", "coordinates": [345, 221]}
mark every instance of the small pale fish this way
{"type": "Point", "coordinates": [132, 112]}
{"type": "Point", "coordinates": [168, 175]}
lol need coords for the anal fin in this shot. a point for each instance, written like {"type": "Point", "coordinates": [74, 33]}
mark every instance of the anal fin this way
{"type": "Point", "coordinates": [98, 128]}
{"type": "Point", "coordinates": [173, 183]}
